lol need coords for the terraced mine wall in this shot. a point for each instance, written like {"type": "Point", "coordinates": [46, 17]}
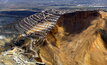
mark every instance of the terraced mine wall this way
{"type": "Point", "coordinates": [78, 38]}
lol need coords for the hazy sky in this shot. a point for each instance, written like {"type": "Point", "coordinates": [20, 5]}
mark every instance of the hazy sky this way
{"type": "Point", "coordinates": [30, 1]}
{"type": "Point", "coordinates": [33, 2]}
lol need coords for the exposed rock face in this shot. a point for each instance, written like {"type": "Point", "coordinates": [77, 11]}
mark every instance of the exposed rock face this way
{"type": "Point", "coordinates": [79, 38]}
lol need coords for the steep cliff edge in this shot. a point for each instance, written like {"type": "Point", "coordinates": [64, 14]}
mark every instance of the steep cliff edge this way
{"type": "Point", "coordinates": [79, 38]}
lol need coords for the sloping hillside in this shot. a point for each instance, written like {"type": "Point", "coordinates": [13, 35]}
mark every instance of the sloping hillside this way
{"type": "Point", "coordinates": [79, 38]}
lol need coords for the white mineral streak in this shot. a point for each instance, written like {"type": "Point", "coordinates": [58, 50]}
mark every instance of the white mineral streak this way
{"type": "Point", "coordinates": [2, 37]}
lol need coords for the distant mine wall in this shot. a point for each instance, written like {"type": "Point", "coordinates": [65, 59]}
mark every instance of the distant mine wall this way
{"type": "Point", "coordinates": [79, 38]}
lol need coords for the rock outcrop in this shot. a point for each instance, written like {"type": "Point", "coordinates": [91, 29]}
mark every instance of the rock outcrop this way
{"type": "Point", "coordinates": [79, 38]}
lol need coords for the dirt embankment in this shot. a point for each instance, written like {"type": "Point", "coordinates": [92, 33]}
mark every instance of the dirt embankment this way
{"type": "Point", "coordinates": [79, 38]}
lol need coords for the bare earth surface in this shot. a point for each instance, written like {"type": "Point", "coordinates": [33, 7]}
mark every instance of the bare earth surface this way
{"type": "Point", "coordinates": [79, 38]}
